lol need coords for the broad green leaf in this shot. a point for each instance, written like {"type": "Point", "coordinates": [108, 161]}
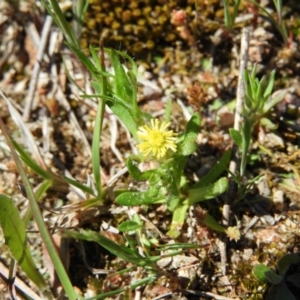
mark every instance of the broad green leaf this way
{"type": "Point", "coordinates": [265, 274]}
{"type": "Point", "coordinates": [15, 238]}
{"type": "Point", "coordinates": [283, 293]}
{"type": "Point", "coordinates": [215, 171]}
{"type": "Point", "coordinates": [124, 89]}
{"type": "Point", "coordinates": [178, 166]}
{"type": "Point", "coordinates": [208, 192]}
{"type": "Point", "coordinates": [133, 170]}
{"type": "Point", "coordinates": [286, 261]}
{"type": "Point", "coordinates": [130, 59]}
{"type": "Point", "coordinates": [137, 174]}
{"type": "Point", "coordinates": [188, 145]}
{"type": "Point", "coordinates": [129, 226]}
{"type": "Point", "coordinates": [172, 202]}
{"type": "Point", "coordinates": [294, 279]}
{"type": "Point", "coordinates": [213, 224]}
{"type": "Point", "coordinates": [138, 198]}
{"type": "Point", "coordinates": [169, 187]}
{"type": "Point", "coordinates": [237, 137]}
{"type": "Point", "coordinates": [178, 219]}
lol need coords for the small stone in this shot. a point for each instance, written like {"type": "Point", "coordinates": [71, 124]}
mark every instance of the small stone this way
{"type": "Point", "coordinates": [278, 200]}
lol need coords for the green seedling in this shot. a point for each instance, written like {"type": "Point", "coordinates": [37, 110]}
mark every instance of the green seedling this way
{"type": "Point", "coordinates": [230, 15]}
{"type": "Point", "coordinates": [279, 24]}
{"type": "Point", "coordinates": [286, 278]}
{"type": "Point", "coordinates": [256, 105]}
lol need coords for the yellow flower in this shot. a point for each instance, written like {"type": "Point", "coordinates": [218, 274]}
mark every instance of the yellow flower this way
{"type": "Point", "coordinates": [233, 233]}
{"type": "Point", "coordinates": [156, 140]}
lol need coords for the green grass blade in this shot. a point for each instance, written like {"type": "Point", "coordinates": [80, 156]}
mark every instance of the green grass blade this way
{"type": "Point", "coordinates": [55, 11]}
{"type": "Point", "coordinates": [215, 172]}
{"type": "Point", "coordinates": [79, 185]}
{"type": "Point", "coordinates": [211, 222]}
{"type": "Point", "coordinates": [39, 194]}
{"type": "Point", "coordinates": [15, 238]}
{"type": "Point", "coordinates": [227, 15]}
{"type": "Point", "coordinates": [31, 163]}
{"type": "Point", "coordinates": [59, 268]}
{"type": "Point", "coordinates": [79, 9]}
{"type": "Point", "coordinates": [114, 248]}
{"type": "Point", "coordinates": [280, 27]}
{"type": "Point", "coordinates": [96, 147]}
{"type": "Point", "coordinates": [133, 286]}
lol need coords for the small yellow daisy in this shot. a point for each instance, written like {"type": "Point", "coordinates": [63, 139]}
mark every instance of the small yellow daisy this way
{"type": "Point", "coordinates": [156, 140]}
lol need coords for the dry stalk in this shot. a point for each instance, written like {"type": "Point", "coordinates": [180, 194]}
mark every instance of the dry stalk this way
{"type": "Point", "coordinates": [234, 160]}
{"type": "Point", "coordinates": [36, 68]}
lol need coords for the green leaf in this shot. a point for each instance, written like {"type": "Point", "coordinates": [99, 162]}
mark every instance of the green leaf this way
{"type": "Point", "coordinates": [269, 88]}
{"type": "Point", "coordinates": [188, 145]}
{"type": "Point", "coordinates": [79, 185]}
{"type": "Point", "coordinates": [138, 198]}
{"type": "Point", "coordinates": [15, 238]}
{"type": "Point", "coordinates": [236, 136]}
{"type": "Point", "coordinates": [169, 187]}
{"type": "Point", "coordinates": [213, 224]}
{"type": "Point", "coordinates": [286, 261]}
{"type": "Point", "coordinates": [123, 252]}
{"type": "Point", "coordinates": [127, 289]}
{"type": "Point", "coordinates": [265, 274]}
{"type": "Point", "coordinates": [31, 163]}
{"type": "Point", "coordinates": [179, 162]}
{"type": "Point", "coordinates": [122, 84]}
{"type": "Point", "coordinates": [273, 277]}
{"type": "Point", "coordinates": [283, 293]}
{"type": "Point", "coordinates": [133, 170]}
{"type": "Point", "coordinates": [178, 219]}
{"type": "Point", "coordinates": [268, 124]}
{"type": "Point", "coordinates": [274, 100]}
{"type": "Point", "coordinates": [136, 173]}
{"type": "Point", "coordinates": [129, 226]}
{"type": "Point", "coordinates": [208, 192]}
{"type": "Point", "coordinates": [124, 105]}
{"type": "Point", "coordinates": [124, 113]}
{"type": "Point", "coordinates": [215, 172]}
{"type": "Point", "coordinates": [294, 279]}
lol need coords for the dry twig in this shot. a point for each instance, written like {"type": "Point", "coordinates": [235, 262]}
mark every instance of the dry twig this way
{"type": "Point", "coordinates": [36, 68]}
{"type": "Point", "coordinates": [234, 161]}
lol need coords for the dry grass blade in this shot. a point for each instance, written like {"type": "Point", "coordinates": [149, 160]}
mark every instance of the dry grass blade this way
{"type": "Point", "coordinates": [18, 283]}
{"type": "Point", "coordinates": [28, 138]}
{"type": "Point", "coordinates": [37, 66]}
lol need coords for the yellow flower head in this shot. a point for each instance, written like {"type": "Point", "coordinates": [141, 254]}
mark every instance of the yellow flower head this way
{"type": "Point", "coordinates": [156, 140]}
{"type": "Point", "coordinates": [233, 233]}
